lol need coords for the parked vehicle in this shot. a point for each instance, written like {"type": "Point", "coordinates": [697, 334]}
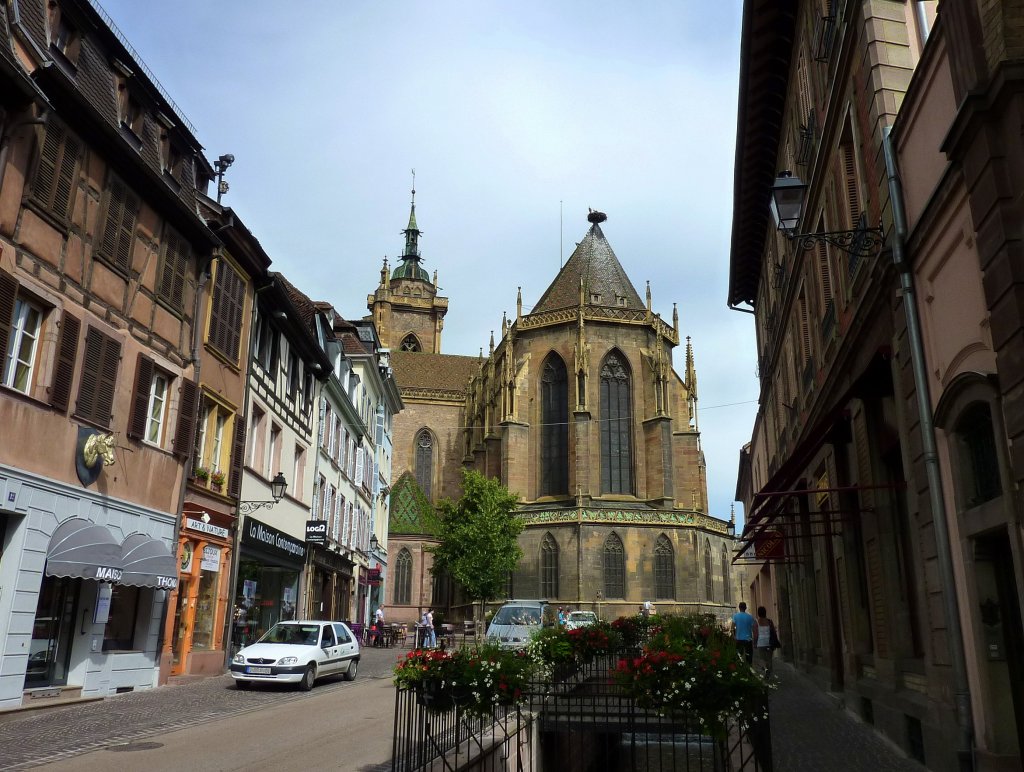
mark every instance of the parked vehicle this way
{"type": "Point", "coordinates": [517, 620]}
{"type": "Point", "coordinates": [299, 653]}
{"type": "Point", "coordinates": [580, 619]}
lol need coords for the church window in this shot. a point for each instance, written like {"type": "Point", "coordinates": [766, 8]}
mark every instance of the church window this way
{"type": "Point", "coordinates": [616, 427]}
{"type": "Point", "coordinates": [425, 461]}
{"type": "Point", "coordinates": [614, 568]}
{"type": "Point", "coordinates": [410, 343]}
{"type": "Point", "coordinates": [581, 390]}
{"type": "Point", "coordinates": [709, 585]}
{"type": "Point", "coordinates": [403, 578]}
{"type": "Point", "coordinates": [664, 569]}
{"type": "Point", "coordinates": [549, 567]}
{"type": "Point", "coordinates": [554, 435]}
{"type": "Point", "coordinates": [726, 589]}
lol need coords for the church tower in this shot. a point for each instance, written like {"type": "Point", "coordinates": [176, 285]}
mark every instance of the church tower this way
{"type": "Point", "coordinates": [406, 308]}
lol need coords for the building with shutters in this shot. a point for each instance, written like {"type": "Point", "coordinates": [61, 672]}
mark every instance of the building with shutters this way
{"type": "Point", "coordinates": [101, 251]}
{"type": "Point", "coordinates": [882, 526]}
{"type": "Point", "coordinates": [201, 607]}
{"type": "Point", "coordinates": [287, 365]}
{"type": "Point", "coordinates": [578, 410]}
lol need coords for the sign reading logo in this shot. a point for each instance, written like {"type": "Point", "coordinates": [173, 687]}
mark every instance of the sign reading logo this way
{"type": "Point", "coordinates": [316, 531]}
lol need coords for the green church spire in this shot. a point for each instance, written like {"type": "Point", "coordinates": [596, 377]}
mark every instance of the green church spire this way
{"type": "Point", "coordinates": [410, 267]}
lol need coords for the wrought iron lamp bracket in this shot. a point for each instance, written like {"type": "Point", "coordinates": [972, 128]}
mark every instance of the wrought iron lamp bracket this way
{"type": "Point", "coordinates": [862, 242]}
{"type": "Point", "coordinates": [248, 507]}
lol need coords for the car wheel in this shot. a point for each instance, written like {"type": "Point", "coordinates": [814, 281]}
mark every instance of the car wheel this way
{"type": "Point", "coordinates": [308, 678]}
{"type": "Point", "coordinates": [353, 668]}
{"type": "Point", "coordinates": [242, 685]}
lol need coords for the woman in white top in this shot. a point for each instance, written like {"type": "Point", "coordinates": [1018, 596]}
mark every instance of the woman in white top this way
{"type": "Point", "coordinates": [764, 632]}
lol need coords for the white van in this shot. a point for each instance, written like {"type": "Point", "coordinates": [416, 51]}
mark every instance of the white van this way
{"type": "Point", "coordinates": [517, 620]}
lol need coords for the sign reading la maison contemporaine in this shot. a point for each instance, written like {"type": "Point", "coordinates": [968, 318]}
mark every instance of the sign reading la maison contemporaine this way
{"type": "Point", "coordinates": [269, 539]}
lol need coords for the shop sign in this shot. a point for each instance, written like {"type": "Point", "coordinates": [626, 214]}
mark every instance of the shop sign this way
{"type": "Point", "coordinates": [108, 574]}
{"type": "Point", "coordinates": [316, 532]}
{"type": "Point", "coordinates": [210, 528]}
{"type": "Point", "coordinates": [211, 559]}
{"type": "Point", "coordinates": [373, 577]}
{"type": "Point", "coordinates": [770, 546]}
{"type": "Point", "coordinates": [265, 537]}
{"type": "Point", "coordinates": [186, 557]}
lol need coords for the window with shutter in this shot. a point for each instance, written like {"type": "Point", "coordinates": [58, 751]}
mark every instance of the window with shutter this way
{"type": "Point", "coordinates": [176, 253]}
{"type": "Point", "coordinates": [360, 466]}
{"type": "Point", "coordinates": [99, 377]}
{"type": "Point", "coordinates": [237, 456]}
{"type": "Point", "coordinates": [226, 308]}
{"type": "Point", "coordinates": [117, 235]}
{"type": "Point", "coordinates": [64, 369]}
{"type": "Point", "coordinates": [54, 179]}
{"type": "Point", "coordinates": [188, 404]}
{"type": "Point", "coordinates": [140, 399]}
{"type": "Point", "coordinates": [8, 295]}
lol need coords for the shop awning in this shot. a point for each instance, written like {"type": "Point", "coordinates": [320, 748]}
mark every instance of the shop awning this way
{"type": "Point", "coordinates": [84, 550]}
{"type": "Point", "coordinates": [146, 562]}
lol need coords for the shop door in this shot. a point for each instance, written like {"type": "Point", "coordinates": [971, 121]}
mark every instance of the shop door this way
{"type": "Point", "coordinates": [180, 643]}
{"type": "Point", "coordinates": [50, 652]}
{"type": "Point", "coordinates": [1003, 652]}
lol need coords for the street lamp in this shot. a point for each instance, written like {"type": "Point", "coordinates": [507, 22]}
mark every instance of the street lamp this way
{"type": "Point", "coordinates": [374, 543]}
{"type": "Point", "coordinates": [730, 529]}
{"type": "Point", "coordinates": [277, 488]}
{"type": "Point", "coordinates": [221, 165]}
{"type": "Point", "coordinates": [789, 194]}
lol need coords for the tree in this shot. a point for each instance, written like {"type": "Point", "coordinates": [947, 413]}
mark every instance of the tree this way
{"type": "Point", "coordinates": [478, 539]}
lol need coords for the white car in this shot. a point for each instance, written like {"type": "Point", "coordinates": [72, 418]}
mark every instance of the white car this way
{"type": "Point", "coordinates": [298, 653]}
{"type": "Point", "coordinates": [580, 619]}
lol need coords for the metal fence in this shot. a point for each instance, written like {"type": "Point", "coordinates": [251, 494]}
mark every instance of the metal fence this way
{"type": "Point", "coordinates": [582, 723]}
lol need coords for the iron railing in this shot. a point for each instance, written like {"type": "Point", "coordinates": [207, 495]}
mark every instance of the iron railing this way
{"type": "Point", "coordinates": [583, 722]}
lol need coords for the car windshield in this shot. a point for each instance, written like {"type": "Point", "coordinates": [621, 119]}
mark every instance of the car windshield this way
{"type": "Point", "coordinates": [583, 616]}
{"type": "Point", "coordinates": [517, 615]}
{"type": "Point", "coordinates": [290, 633]}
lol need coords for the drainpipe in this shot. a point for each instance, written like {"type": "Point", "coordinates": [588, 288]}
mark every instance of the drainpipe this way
{"type": "Point", "coordinates": [961, 687]}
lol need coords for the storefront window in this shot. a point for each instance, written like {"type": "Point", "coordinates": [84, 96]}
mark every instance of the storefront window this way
{"type": "Point", "coordinates": [119, 633]}
{"type": "Point", "coordinates": [206, 612]}
{"type": "Point", "coordinates": [265, 596]}
{"type": "Point", "coordinates": [51, 632]}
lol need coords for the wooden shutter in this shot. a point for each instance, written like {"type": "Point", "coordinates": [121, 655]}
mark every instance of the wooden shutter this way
{"type": "Point", "coordinates": [824, 271]}
{"type": "Point", "coordinates": [8, 293]}
{"type": "Point", "coordinates": [172, 275]}
{"type": "Point", "coordinates": [119, 228]}
{"type": "Point", "coordinates": [233, 300]}
{"type": "Point", "coordinates": [188, 401]}
{"type": "Point", "coordinates": [140, 399]}
{"type": "Point", "coordinates": [216, 332]}
{"type": "Point", "coordinates": [848, 159]}
{"type": "Point", "coordinates": [99, 377]}
{"type": "Point", "coordinates": [54, 179]}
{"type": "Point", "coordinates": [64, 369]}
{"type": "Point", "coordinates": [237, 456]}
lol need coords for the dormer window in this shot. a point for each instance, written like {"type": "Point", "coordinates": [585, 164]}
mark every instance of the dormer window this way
{"type": "Point", "coordinates": [620, 300]}
{"type": "Point", "coordinates": [129, 111]}
{"type": "Point", "coordinates": [595, 297]}
{"type": "Point", "coordinates": [171, 157]}
{"type": "Point", "coordinates": [64, 36]}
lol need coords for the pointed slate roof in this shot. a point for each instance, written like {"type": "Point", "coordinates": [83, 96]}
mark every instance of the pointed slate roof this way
{"type": "Point", "coordinates": [595, 263]}
{"type": "Point", "coordinates": [410, 511]}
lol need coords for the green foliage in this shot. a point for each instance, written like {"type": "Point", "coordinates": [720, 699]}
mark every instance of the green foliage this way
{"type": "Point", "coordinates": [478, 537]}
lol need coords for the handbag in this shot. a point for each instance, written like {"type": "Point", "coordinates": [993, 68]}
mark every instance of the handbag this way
{"type": "Point", "coordinates": [773, 638]}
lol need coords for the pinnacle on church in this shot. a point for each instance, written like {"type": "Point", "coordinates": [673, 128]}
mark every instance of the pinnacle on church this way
{"type": "Point", "coordinates": [410, 267]}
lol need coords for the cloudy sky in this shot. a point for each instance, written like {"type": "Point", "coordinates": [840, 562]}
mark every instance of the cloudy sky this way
{"type": "Point", "coordinates": [517, 117]}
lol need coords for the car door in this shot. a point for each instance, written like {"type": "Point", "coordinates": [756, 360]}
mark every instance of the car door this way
{"type": "Point", "coordinates": [348, 649]}
{"type": "Point", "coordinates": [329, 659]}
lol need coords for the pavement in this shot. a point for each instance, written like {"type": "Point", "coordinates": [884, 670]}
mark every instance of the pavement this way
{"type": "Point", "coordinates": [810, 729]}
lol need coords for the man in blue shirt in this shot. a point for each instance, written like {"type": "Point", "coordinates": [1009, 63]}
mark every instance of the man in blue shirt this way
{"type": "Point", "coordinates": [743, 629]}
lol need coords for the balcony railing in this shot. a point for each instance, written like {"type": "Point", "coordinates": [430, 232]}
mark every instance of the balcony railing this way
{"type": "Point", "coordinates": [582, 721]}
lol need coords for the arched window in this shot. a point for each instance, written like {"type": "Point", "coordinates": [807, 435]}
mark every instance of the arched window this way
{"type": "Point", "coordinates": [709, 585]}
{"type": "Point", "coordinates": [664, 569]}
{"type": "Point", "coordinates": [554, 431]}
{"type": "Point", "coordinates": [410, 343]}
{"type": "Point", "coordinates": [726, 583]}
{"type": "Point", "coordinates": [403, 578]}
{"type": "Point", "coordinates": [549, 567]}
{"type": "Point", "coordinates": [616, 427]}
{"type": "Point", "coordinates": [977, 456]}
{"type": "Point", "coordinates": [425, 461]}
{"type": "Point", "coordinates": [614, 568]}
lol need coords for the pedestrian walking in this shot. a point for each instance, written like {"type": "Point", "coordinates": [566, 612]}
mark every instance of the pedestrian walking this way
{"type": "Point", "coordinates": [766, 640]}
{"type": "Point", "coordinates": [431, 634]}
{"type": "Point", "coordinates": [743, 631]}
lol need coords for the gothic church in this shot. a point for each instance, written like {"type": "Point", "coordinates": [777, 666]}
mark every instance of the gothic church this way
{"type": "Point", "coordinates": [579, 411]}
